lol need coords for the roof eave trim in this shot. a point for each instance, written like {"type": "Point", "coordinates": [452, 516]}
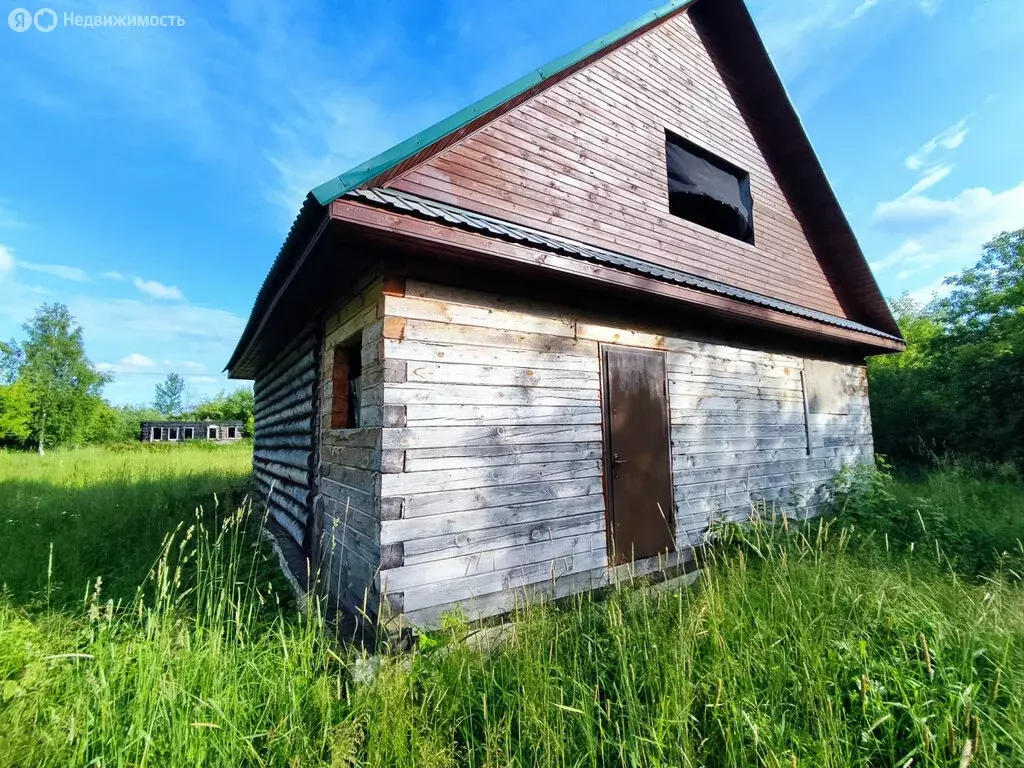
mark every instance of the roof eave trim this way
{"type": "Point", "coordinates": [341, 210]}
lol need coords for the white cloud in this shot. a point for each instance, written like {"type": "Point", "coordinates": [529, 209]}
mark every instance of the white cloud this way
{"type": "Point", "coordinates": [57, 270]}
{"type": "Point", "coordinates": [158, 290]}
{"type": "Point", "coordinates": [114, 276]}
{"type": "Point", "coordinates": [929, 180]}
{"type": "Point", "coordinates": [133, 363]}
{"type": "Point", "coordinates": [949, 139]}
{"type": "Point", "coordinates": [859, 11]}
{"type": "Point", "coordinates": [6, 261]}
{"type": "Point", "coordinates": [947, 232]}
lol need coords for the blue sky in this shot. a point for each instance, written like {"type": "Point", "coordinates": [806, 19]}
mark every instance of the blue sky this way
{"type": "Point", "coordinates": [149, 175]}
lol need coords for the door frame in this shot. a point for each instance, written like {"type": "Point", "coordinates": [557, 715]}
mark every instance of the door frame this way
{"type": "Point", "coordinates": [617, 558]}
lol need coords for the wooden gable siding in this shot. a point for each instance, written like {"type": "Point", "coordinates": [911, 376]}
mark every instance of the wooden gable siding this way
{"type": "Point", "coordinates": [586, 159]}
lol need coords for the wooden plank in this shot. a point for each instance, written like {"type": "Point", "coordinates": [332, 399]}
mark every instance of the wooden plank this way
{"type": "Point", "coordinates": [452, 333]}
{"type": "Point", "coordinates": [499, 496]}
{"type": "Point", "coordinates": [692, 477]}
{"type": "Point", "coordinates": [470, 354]}
{"type": "Point", "coordinates": [710, 419]}
{"type": "Point", "coordinates": [443, 437]}
{"type": "Point", "coordinates": [466, 394]}
{"type": "Point", "coordinates": [426, 594]}
{"type": "Point", "coordinates": [360, 497]}
{"type": "Point", "coordinates": [736, 458]}
{"type": "Point", "coordinates": [424, 459]}
{"type": "Point", "coordinates": [518, 512]}
{"type": "Point", "coordinates": [421, 415]}
{"type": "Point", "coordinates": [692, 403]}
{"type": "Point", "coordinates": [464, 567]}
{"type": "Point", "coordinates": [471, 315]}
{"type": "Point", "coordinates": [339, 516]}
{"type": "Point", "coordinates": [505, 536]}
{"type": "Point", "coordinates": [487, 477]}
{"type": "Point", "coordinates": [358, 457]}
{"type": "Point", "coordinates": [680, 388]}
{"type": "Point", "coordinates": [352, 438]}
{"type": "Point", "coordinates": [701, 432]}
{"type": "Point", "coordinates": [683, 447]}
{"type": "Point", "coordinates": [500, 376]}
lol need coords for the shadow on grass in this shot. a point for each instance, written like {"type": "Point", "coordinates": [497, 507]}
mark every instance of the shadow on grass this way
{"type": "Point", "coordinates": [56, 540]}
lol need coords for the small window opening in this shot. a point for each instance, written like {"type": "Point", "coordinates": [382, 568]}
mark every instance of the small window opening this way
{"type": "Point", "coordinates": [189, 433]}
{"type": "Point", "coordinates": [346, 384]}
{"type": "Point", "coordinates": [232, 433]}
{"type": "Point", "coordinates": [174, 433]}
{"type": "Point", "coordinates": [211, 433]}
{"type": "Point", "coordinates": [157, 433]}
{"type": "Point", "coordinates": [708, 190]}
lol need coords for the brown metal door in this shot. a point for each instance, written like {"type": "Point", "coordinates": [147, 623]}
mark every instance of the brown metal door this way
{"type": "Point", "coordinates": [638, 459]}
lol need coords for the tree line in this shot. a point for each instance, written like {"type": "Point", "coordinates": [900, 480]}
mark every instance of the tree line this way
{"type": "Point", "coordinates": [958, 389]}
{"type": "Point", "coordinates": [51, 393]}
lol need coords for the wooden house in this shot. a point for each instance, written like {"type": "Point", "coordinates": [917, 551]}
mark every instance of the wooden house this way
{"type": "Point", "coordinates": [556, 334]}
{"type": "Point", "coordinates": [185, 431]}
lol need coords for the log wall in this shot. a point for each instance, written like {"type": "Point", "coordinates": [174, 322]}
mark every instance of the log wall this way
{"type": "Point", "coordinates": [491, 479]}
{"type": "Point", "coordinates": [348, 478]}
{"type": "Point", "coordinates": [283, 451]}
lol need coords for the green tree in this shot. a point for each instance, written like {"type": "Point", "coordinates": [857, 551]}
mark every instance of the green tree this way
{"type": "Point", "coordinates": [959, 387]}
{"type": "Point", "coordinates": [170, 395]}
{"type": "Point", "coordinates": [15, 414]}
{"type": "Point", "coordinates": [60, 382]}
{"type": "Point", "coordinates": [239, 405]}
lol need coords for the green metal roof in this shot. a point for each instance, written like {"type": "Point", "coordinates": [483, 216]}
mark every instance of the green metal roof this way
{"type": "Point", "coordinates": [358, 176]}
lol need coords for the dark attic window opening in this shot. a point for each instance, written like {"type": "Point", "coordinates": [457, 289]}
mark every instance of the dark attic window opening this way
{"type": "Point", "coordinates": [707, 190]}
{"type": "Point", "coordinates": [346, 384]}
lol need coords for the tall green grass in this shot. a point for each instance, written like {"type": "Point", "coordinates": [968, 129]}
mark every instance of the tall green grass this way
{"type": "Point", "coordinates": [74, 515]}
{"type": "Point", "coordinates": [807, 646]}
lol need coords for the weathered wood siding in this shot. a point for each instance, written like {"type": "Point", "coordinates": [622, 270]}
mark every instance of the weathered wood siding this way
{"type": "Point", "coordinates": [283, 456]}
{"type": "Point", "coordinates": [493, 444]}
{"type": "Point", "coordinates": [586, 159]}
{"type": "Point", "coordinates": [348, 481]}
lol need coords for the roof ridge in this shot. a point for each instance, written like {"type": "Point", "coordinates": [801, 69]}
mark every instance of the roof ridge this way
{"type": "Point", "coordinates": [364, 172]}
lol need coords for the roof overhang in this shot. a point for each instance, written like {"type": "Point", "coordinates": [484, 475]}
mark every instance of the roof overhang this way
{"type": "Point", "coordinates": [464, 234]}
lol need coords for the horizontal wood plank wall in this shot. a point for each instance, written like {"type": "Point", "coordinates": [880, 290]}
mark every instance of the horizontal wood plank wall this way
{"type": "Point", "coordinates": [742, 437]}
{"type": "Point", "coordinates": [284, 424]}
{"type": "Point", "coordinates": [586, 159]}
{"type": "Point", "coordinates": [348, 482]}
{"type": "Point", "coordinates": [492, 477]}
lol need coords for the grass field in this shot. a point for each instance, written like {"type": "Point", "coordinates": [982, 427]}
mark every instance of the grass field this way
{"type": "Point", "coordinates": [104, 512]}
{"type": "Point", "coordinates": [900, 643]}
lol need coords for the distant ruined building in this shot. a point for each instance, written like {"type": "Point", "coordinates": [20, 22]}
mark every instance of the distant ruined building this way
{"type": "Point", "coordinates": [184, 431]}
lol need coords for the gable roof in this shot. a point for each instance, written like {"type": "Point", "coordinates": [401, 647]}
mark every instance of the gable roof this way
{"type": "Point", "coordinates": [727, 22]}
